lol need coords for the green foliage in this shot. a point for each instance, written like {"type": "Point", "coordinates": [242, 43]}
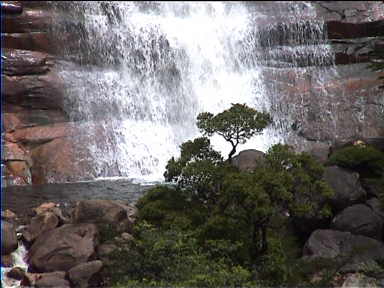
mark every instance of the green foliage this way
{"type": "Point", "coordinates": [160, 258]}
{"type": "Point", "coordinates": [168, 207]}
{"type": "Point", "coordinates": [280, 264]}
{"type": "Point", "coordinates": [302, 175]}
{"type": "Point", "coordinates": [199, 149]}
{"type": "Point", "coordinates": [236, 125]}
{"type": "Point", "coordinates": [219, 227]}
{"type": "Point", "coordinates": [366, 160]}
{"type": "Point", "coordinates": [107, 232]}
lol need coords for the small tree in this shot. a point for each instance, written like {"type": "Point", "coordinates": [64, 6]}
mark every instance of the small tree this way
{"type": "Point", "coordinates": [198, 169]}
{"type": "Point", "coordinates": [236, 125]}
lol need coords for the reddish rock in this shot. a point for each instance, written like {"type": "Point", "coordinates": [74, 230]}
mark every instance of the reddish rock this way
{"type": "Point", "coordinates": [24, 62]}
{"type": "Point", "coordinates": [53, 208]}
{"type": "Point", "coordinates": [11, 122]}
{"type": "Point", "coordinates": [60, 161]}
{"type": "Point", "coordinates": [42, 134]}
{"type": "Point", "coordinates": [16, 117]}
{"type": "Point", "coordinates": [45, 207]}
{"type": "Point", "coordinates": [34, 41]}
{"type": "Point", "coordinates": [46, 280]}
{"type": "Point", "coordinates": [63, 248]}
{"type": "Point", "coordinates": [40, 224]}
{"type": "Point", "coordinates": [15, 152]}
{"type": "Point", "coordinates": [31, 20]}
{"type": "Point", "coordinates": [34, 91]}
{"type": "Point", "coordinates": [18, 173]}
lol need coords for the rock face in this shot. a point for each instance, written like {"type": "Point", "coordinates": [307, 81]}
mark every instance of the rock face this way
{"type": "Point", "coordinates": [346, 186]}
{"type": "Point", "coordinates": [332, 97]}
{"type": "Point", "coordinates": [340, 100]}
{"type": "Point", "coordinates": [344, 247]}
{"type": "Point", "coordinates": [359, 219]}
{"type": "Point", "coordinates": [63, 248]}
{"type": "Point", "coordinates": [8, 238]}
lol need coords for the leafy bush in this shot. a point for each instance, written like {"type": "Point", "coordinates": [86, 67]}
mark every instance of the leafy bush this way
{"type": "Point", "coordinates": [161, 258]}
{"type": "Point", "coordinates": [366, 160]}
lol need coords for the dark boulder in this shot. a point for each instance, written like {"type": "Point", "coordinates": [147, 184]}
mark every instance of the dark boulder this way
{"type": "Point", "coordinates": [346, 186]}
{"type": "Point", "coordinates": [115, 213]}
{"type": "Point", "coordinates": [374, 187]}
{"type": "Point", "coordinates": [16, 273]}
{"type": "Point", "coordinates": [80, 274]}
{"type": "Point", "coordinates": [350, 252]}
{"type": "Point", "coordinates": [359, 219]}
{"type": "Point", "coordinates": [376, 207]}
{"type": "Point", "coordinates": [248, 160]}
{"type": "Point", "coordinates": [63, 248]}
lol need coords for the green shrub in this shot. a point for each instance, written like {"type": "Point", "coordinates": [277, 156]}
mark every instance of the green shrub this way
{"type": "Point", "coordinates": [366, 160]}
{"type": "Point", "coordinates": [165, 258]}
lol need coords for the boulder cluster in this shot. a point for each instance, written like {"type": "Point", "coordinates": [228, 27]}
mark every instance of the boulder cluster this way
{"type": "Point", "coordinates": [67, 250]}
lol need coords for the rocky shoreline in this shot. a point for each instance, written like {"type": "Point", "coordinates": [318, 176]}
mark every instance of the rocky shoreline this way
{"type": "Point", "coordinates": [67, 250]}
{"type": "Point", "coordinates": [69, 246]}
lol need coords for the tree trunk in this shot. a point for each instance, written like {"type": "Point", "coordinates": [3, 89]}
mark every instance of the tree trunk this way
{"type": "Point", "coordinates": [264, 245]}
{"type": "Point", "coordinates": [233, 151]}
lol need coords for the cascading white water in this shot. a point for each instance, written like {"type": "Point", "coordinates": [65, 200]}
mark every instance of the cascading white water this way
{"type": "Point", "coordinates": [142, 71]}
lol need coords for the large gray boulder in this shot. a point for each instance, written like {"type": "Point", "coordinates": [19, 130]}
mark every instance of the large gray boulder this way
{"type": "Point", "coordinates": [9, 241]}
{"type": "Point", "coordinates": [81, 273]}
{"type": "Point", "coordinates": [376, 207]}
{"type": "Point", "coordinates": [351, 252]}
{"type": "Point", "coordinates": [39, 224]}
{"type": "Point", "coordinates": [346, 185]}
{"type": "Point", "coordinates": [63, 248]}
{"type": "Point", "coordinates": [116, 213]}
{"type": "Point", "coordinates": [359, 219]}
{"type": "Point", "coordinates": [248, 160]}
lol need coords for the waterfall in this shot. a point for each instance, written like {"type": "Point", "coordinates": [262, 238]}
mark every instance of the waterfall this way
{"type": "Point", "coordinates": [138, 73]}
